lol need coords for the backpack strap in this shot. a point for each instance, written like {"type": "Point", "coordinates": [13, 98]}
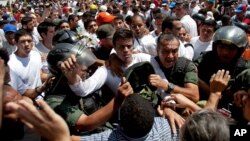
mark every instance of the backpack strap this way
{"type": "Point", "coordinates": [188, 45]}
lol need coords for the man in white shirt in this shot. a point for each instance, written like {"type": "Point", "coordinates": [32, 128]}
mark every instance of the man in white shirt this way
{"type": "Point", "coordinates": [203, 42]}
{"type": "Point", "coordinates": [25, 65]}
{"type": "Point", "coordinates": [123, 45]}
{"type": "Point", "coordinates": [143, 41]}
{"type": "Point", "coordinates": [46, 31]}
{"type": "Point", "coordinates": [173, 25]}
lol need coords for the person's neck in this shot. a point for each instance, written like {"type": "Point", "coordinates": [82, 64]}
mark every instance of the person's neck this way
{"type": "Point", "coordinates": [139, 36]}
{"type": "Point", "coordinates": [205, 40]}
{"type": "Point", "coordinates": [127, 62]}
{"type": "Point", "coordinates": [157, 32]}
{"type": "Point", "coordinates": [21, 55]}
{"type": "Point", "coordinates": [48, 45]}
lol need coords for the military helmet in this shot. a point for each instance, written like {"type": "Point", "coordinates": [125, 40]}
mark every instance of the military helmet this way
{"type": "Point", "coordinates": [65, 36]}
{"type": "Point", "coordinates": [66, 43]}
{"type": "Point", "coordinates": [62, 51]}
{"type": "Point", "coordinates": [231, 35]}
{"type": "Point", "coordinates": [199, 16]}
{"type": "Point", "coordinates": [243, 26]}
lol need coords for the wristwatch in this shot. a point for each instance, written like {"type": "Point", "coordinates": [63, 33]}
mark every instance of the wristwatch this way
{"type": "Point", "coordinates": [170, 87]}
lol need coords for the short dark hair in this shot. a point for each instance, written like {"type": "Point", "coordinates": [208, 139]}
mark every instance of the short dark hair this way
{"type": "Point", "coordinates": [88, 21]}
{"type": "Point", "coordinates": [25, 20]}
{"type": "Point", "coordinates": [4, 55]}
{"type": "Point", "coordinates": [168, 23]}
{"type": "Point", "coordinates": [138, 16]}
{"type": "Point", "coordinates": [210, 22]}
{"type": "Point", "coordinates": [118, 17]}
{"type": "Point", "coordinates": [60, 23]}
{"type": "Point", "coordinates": [137, 116]}
{"type": "Point", "coordinates": [122, 33]}
{"type": "Point", "coordinates": [156, 10]}
{"type": "Point", "coordinates": [71, 17]}
{"type": "Point", "coordinates": [43, 27]}
{"type": "Point", "coordinates": [20, 33]}
{"type": "Point", "coordinates": [166, 37]}
{"type": "Point", "coordinates": [159, 16]}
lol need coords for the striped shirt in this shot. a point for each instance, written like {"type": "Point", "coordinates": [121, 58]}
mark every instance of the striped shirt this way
{"type": "Point", "coordinates": [160, 131]}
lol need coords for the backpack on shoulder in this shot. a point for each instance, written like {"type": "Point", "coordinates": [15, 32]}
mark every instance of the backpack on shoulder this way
{"type": "Point", "coordinates": [137, 75]}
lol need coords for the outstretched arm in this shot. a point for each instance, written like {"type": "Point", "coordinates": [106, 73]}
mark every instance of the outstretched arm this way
{"type": "Point", "coordinates": [218, 83]}
{"type": "Point", "coordinates": [99, 117]}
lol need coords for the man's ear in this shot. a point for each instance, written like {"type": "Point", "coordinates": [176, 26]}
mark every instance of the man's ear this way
{"type": "Point", "coordinates": [244, 100]}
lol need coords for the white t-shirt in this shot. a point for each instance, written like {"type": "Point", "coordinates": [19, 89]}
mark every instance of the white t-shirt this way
{"type": "Point", "coordinates": [146, 44]}
{"type": "Point", "coordinates": [36, 36]}
{"type": "Point", "coordinates": [129, 13]}
{"type": "Point", "coordinates": [25, 72]}
{"type": "Point", "coordinates": [43, 51]}
{"type": "Point", "coordinates": [190, 25]}
{"type": "Point", "coordinates": [104, 76]}
{"type": "Point", "coordinates": [189, 51]}
{"type": "Point", "coordinates": [154, 34]}
{"type": "Point", "coordinates": [200, 47]}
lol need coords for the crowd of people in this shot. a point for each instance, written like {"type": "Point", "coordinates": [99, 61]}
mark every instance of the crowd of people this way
{"type": "Point", "coordinates": [163, 70]}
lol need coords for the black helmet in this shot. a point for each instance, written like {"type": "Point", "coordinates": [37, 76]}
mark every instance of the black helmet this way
{"type": "Point", "coordinates": [199, 17]}
{"type": "Point", "coordinates": [62, 51]}
{"type": "Point", "coordinates": [65, 36]}
{"type": "Point", "coordinates": [231, 35]}
{"type": "Point", "coordinates": [242, 25]}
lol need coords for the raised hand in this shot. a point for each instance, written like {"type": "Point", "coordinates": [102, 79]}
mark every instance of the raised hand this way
{"type": "Point", "coordinates": [219, 81]}
{"type": "Point", "coordinates": [124, 90]}
{"type": "Point", "coordinates": [70, 69]}
{"type": "Point", "coordinates": [43, 120]}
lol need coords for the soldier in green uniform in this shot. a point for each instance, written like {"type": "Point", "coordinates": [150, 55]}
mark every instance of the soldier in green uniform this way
{"type": "Point", "coordinates": [229, 43]}
{"type": "Point", "coordinates": [82, 114]}
{"type": "Point", "coordinates": [174, 74]}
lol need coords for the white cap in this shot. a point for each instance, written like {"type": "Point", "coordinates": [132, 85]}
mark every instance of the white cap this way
{"type": "Point", "coordinates": [152, 5]}
{"type": "Point", "coordinates": [79, 13]}
{"type": "Point", "coordinates": [103, 8]}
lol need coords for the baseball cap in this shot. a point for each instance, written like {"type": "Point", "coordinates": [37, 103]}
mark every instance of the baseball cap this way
{"type": "Point", "coordinates": [79, 13]}
{"type": "Point", "coordinates": [9, 28]}
{"type": "Point", "coordinates": [241, 8]}
{"type": "Point", "coordinates": [152, 5]}
{"type": "Point", "coordinates": [93, 7]}
{"type": "Point", "coordinates": [104, 17]}
{"type": "Point", "coordinates": [66, 8]}
{"type": "Point", "coordinates": [172, 5]}
{"type": "Point", "coordinates": [103, 8]}
{"type": "Point", "coordinates": [210, 1]}
{"type": "Point", "coordinates": [105, 31]}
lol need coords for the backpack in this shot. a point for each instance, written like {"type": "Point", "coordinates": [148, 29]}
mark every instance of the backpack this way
{"type": "Point", "coordinates": [137, 75]}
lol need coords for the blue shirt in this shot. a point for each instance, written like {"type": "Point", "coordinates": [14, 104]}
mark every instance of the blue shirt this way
{"type": "Point", "coordinates": [160, 131]}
